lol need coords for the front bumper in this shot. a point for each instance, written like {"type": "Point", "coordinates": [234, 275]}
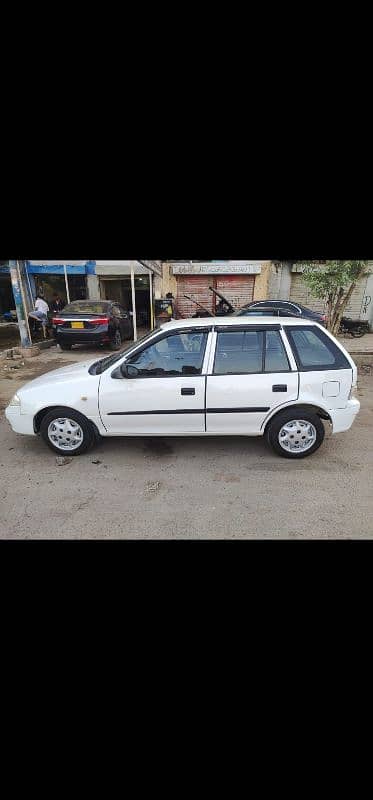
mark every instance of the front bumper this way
{"type": "Point", "coordinates": [344, 418]}
{"type": "Point", "coordinates": [20, 423]}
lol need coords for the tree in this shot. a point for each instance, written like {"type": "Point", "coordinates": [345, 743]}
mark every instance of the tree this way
{"type": "Point", "coordinates": [334, 282]}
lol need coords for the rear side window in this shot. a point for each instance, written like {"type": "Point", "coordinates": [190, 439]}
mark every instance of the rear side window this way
{"type": "Point", "coordinates": [313, 350]}
{"type": "Point", "coordinates": [276, 359]}
{"type": "Point", "coordinates": [239, 353]}
{"type": "Point", "coordinates": [250, 352]}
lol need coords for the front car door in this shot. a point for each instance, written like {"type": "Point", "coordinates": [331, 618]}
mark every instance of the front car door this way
{"type": "Point", "coordinates": [166, 393]}
{"type": "Point", "coordinates": [252, 371]}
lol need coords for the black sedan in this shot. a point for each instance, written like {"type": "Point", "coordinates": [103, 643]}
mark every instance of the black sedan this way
{"type": "Point", "coordinates": [282, 308]}
{"type": "Point", "coordinates": [92, 322]}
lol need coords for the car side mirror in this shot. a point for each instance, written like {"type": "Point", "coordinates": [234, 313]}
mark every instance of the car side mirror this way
{"type": "Point", "coordinates": [129, 371]}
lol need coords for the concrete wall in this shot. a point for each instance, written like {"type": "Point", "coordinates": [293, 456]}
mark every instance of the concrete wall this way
{"type": "Point", "coordinates": [262, 281]}
{"type": "Point", "coordinates": [168, 282]}
{"type": "Point", "coordinates": [93, 287]}
{"type": "Point", "coordinates": [280, 281]}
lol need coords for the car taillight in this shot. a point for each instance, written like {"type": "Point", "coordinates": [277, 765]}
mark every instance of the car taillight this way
{"type": "Point", "coordinates": [353, 392]}
{"type": "Point", "coordinates": [57, 321]}
{"type": "Point", "coordinates": [100, 321]}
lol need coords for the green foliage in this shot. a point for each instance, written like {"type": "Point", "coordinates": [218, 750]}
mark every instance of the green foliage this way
{"type": "Point", "coordinates": [334, 282]}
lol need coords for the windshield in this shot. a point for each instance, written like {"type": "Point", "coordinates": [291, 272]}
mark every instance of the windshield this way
{"type": "Point", "coordinates": [86, 308]}
{"type": "Point", "coordinates": [104, 363]}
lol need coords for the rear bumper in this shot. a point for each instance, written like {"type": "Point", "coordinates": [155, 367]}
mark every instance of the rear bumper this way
{"type": "Point", "coordinates": [82, 337]}
{"type": "Point", "coordinates": [344, 418]}
{"type": "Point", "coordinates": [20, 423]}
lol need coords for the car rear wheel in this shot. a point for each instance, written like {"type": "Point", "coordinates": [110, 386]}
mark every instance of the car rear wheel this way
{"type": "Point", "coordinates": [295, 433]}
{"type": "Point", "coordinates": [67, 432]}
{"type": "Point", "coordinates": [116, 341]}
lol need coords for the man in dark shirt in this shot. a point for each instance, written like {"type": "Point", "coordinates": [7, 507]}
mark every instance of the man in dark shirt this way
{"type": "Point", "coordinates": [57, 304]}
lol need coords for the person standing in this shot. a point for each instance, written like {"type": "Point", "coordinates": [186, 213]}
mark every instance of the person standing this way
{"type": "Point", "coordinates": [40, 314]}
{"type": "Point", "coordinates": [57, 304]}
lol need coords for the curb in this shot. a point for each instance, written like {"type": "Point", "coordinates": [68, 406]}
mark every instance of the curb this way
{"type": "Point", "coordinates": [6, 354]}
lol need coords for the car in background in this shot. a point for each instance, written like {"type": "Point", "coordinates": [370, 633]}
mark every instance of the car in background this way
{"type": "Point", "coordinates": [263, 311]}
{"type": "Point", "coordinates": [282, 308]}
{"type": "Point", "coordinates": [92, 322]}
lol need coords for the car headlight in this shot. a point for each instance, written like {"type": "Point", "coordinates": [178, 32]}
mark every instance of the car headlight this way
{"type": "Point", "coordinates": [15, 401]}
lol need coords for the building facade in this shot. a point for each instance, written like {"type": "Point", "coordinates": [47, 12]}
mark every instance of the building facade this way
{"type": "Point", "coordinates": [239, 281]}
{"type": "Point", "coordinates": [286, 282]}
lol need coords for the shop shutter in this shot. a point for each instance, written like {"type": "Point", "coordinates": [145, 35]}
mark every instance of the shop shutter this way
{"type": "Point", "coordinates": [196, 286]}
{"type": "Point", "coordinates": [238, 289]}
{"type": "Point", "coordinates": [300, 293]}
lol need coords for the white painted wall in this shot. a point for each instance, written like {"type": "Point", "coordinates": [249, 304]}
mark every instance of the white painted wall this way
{"type": "Point", "coordinates": [120, 268]}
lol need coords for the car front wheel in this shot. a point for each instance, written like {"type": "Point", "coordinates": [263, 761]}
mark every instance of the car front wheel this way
{"type": "Point", "coordinates": [295, 433]}
{"type": "Point", "coordinates": [67, 432]}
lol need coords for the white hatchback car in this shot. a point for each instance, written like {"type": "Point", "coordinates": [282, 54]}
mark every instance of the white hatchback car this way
{"type": "Point", "coordinates": [279, 378]}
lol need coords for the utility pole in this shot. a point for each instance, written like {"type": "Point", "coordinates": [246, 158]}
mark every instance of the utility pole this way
{"type": "Point", "coordinates": [24, 330]}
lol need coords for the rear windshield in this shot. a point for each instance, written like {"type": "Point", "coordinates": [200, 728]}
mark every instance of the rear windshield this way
{"type": "Point", "coordinates": [86, 308]}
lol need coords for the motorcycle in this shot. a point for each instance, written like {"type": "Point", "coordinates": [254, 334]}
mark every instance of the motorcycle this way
{"type": "Point", "coordinates": [353, 327]}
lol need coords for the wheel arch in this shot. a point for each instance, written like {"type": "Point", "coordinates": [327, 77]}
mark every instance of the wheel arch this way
{"type": "Point", "coordinates": [311, 407]}
{"type": "Point", "coordinates": [38, 418]}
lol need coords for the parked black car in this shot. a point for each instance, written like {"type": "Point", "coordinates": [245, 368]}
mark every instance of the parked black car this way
{"type": "Point", "coordinates": [92, 322]}
{"type": "Point", "coordinates": [280, 308]}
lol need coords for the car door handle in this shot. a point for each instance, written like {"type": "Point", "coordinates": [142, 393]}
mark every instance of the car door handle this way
{"type": "Point", "coordinates": [279, 387]}
{"type": "Point", "coordinates": [188, 391]}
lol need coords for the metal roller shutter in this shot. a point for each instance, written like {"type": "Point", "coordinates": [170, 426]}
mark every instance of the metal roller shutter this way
{"type": "Point", "coordinates": [196, 286]}
{"type": "Point", "coordinates": [301, 294]}
{"type": "Point", "coordinates": [238, 289]}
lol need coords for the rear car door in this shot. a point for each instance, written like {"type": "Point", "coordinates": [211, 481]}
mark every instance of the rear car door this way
{"type": "Point", "coordinates": [250, 374]}
{"type": "Point", "coordinates": [126, 322]}
{"type": "Point", "coordinates": [166, 393]}
{"type": "Point", "coordinates": [122, 319]}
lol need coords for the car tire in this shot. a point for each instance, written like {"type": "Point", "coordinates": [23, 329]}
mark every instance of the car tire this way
{"type": "Point", "coordinates": [289, 440]}
{"type": "Point", "coordinates": [116, 342]}
{"type": "Point", "coordinates": [65, 346]}
{"type": "Point", "coordinates": [54, 424]}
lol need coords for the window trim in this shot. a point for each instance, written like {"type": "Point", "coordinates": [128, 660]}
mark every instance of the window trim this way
{"type": "Point", "coordinates": [341, 360]}
{"type": "Point", "coordinates": [257, 329]}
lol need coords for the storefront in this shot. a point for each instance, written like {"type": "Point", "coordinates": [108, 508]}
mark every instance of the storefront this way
{"type": "Point", "coordinates": [115, 284]}
{"type": "Point", "coordinates": [233, 279]}
{"type": "Point", "coordinates": [67, 279]}
{"type": "Point", "coordinates": [359, 307]}
{"type": "Point", "coordinates": [6, 292]}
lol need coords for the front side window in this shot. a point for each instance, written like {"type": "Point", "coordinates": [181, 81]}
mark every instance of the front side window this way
{"type": "Point", "coordinates": [289, 307]}
{"type": "Point", "coordinates": [176, 355]}
{"type": "Point", "coordinates": [258, 312]}
{"type": "Point", "coordinates": [314, 350]}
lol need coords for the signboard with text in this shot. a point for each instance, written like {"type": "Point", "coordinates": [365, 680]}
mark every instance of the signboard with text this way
{"type": "Point", "coordinates": [217, 268]}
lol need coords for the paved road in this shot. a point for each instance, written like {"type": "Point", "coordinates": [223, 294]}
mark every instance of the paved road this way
{"type": "Point", "coordinates": [183, 488]}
